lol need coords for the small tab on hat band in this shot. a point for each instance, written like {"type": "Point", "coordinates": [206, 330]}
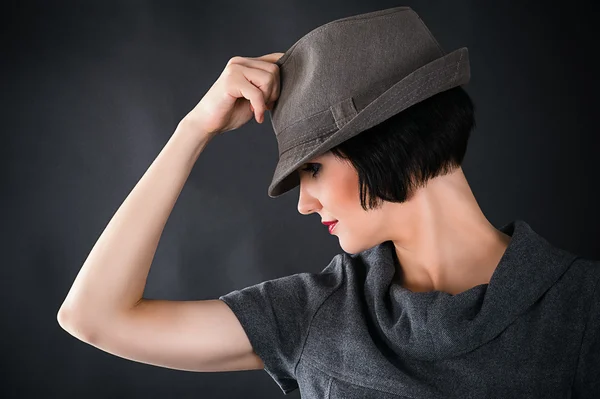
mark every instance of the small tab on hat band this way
{"type": "Point", "coordinates": [343, 111]}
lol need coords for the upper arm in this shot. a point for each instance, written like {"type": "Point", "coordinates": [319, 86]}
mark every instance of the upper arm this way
{"type": "Point", "coordinates": [185, 335]}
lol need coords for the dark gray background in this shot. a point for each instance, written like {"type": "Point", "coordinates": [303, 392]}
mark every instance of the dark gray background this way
{"type": "Point", "coordinates": [92, 91]}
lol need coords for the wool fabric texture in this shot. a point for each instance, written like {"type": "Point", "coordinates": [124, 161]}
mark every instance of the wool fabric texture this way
{"type": "Point", "coordinates": [352, 331]}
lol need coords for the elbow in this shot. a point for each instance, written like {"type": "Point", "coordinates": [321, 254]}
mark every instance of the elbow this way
{"type": "Point", "coordinates": [64, 319]}
{"type": "Point", "coordinates": [74, 325]}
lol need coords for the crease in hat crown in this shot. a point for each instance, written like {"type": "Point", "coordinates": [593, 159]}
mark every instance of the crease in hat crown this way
{"type": "Point", "coordinates": [351, 74]}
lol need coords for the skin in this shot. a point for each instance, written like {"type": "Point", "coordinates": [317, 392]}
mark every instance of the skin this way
{"type": "Point", "coordinates": [442, 239]}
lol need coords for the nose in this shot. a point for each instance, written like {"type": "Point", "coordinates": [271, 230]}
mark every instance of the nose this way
{"type": "Point", "coordinates": [307, 203]}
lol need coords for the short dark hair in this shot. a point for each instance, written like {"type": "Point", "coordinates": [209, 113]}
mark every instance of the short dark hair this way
{"type": "Point", "coordinates": [406, 150]}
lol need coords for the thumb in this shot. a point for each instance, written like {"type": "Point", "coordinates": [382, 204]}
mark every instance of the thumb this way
{"type": "Point", "coordinates": [272, 57]}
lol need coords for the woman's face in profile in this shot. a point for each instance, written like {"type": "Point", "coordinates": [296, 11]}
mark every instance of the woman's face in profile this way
{"type": "Point", "coordinates": [329, 186]}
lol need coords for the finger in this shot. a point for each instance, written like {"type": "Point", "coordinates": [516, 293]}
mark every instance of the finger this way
{"type": "Point", "coordinates": [272, 57]}
{"type": "Point", "coordinates": [274, 83]}
{"type": "Point", "coordinates": [254, 95]}
{"type": "Point", "coordinates": [265, 82]}
{"type": "Point", "coordinates": [264, 62]}
{"type": "Point", "coordinates": [267, 66]}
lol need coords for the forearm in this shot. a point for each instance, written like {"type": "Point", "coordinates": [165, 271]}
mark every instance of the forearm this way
{"type": "Point", "coordinates": [113, 277]}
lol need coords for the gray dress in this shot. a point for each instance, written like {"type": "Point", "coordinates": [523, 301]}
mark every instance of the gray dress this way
{"type": "Point", "coordinates": [351, 331]}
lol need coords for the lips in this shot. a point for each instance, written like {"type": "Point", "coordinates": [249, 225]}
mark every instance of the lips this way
{"type": "Point", "coordinates": [332, 226]}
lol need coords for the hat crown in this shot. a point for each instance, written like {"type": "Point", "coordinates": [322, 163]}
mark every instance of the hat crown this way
{"type": "Point", "coordinates": [340, 67]}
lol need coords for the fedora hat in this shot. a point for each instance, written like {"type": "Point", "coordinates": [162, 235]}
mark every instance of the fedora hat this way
{"type": "Point", "coordinates": [351, 74]}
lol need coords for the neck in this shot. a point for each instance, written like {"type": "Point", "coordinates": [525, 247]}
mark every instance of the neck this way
{"type": "Point", "coordinates": [445, 243]}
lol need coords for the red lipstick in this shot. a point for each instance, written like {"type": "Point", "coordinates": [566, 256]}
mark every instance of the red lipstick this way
{"type": "Point", "coordinates": [331, 224]}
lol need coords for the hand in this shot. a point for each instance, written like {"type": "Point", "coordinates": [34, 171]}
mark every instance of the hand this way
{"type": "Point", "coordinates": [247, 86]}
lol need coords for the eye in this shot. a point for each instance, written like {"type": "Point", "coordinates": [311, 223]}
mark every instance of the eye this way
{"type": "Point", "coordinates": [312, 167]}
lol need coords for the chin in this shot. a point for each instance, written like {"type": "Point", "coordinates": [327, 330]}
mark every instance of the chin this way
{"type": "Point", "coordinates": [355, 248]}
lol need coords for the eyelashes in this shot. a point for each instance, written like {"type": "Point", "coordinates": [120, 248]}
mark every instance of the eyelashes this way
{"type": "Point", "coordinates": [312, 167]}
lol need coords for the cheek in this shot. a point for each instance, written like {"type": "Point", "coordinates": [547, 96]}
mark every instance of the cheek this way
{"type": "Point", "coordinates": [346, 198]}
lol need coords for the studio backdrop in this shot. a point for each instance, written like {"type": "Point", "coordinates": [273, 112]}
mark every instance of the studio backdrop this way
{"type": "Point", "coordinates": [92, 91]}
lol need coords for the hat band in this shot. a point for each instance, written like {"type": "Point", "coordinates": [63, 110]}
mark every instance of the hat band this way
{"type": "Point", "coordinates": [327, 122]}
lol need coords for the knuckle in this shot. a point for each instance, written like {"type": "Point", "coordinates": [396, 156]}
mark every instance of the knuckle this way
{"type": "Point", "coordinates": [230, 68]}
{"type": "Point", "coordinates": [234, 60]}
{"type": "Point", "coordinates": [268, 85]}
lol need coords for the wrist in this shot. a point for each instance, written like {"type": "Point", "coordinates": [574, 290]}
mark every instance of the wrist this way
{"type": "Point", "coordinates": [195, 130]}
{"type": "Point", "coordinates": [190, 139]}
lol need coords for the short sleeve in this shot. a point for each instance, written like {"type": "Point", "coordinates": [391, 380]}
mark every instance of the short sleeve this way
{"type": "Point", "coordinates": [587, 378]}
{"type": "Point", "coordinates": [276, 317]}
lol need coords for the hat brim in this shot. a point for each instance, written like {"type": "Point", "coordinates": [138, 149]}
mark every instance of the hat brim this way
{"type": "Point", "coordinates": [442, 74]}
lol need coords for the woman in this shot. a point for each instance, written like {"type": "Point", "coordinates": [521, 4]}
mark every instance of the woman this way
{"type": "Point", "coordinates": [429, 300]}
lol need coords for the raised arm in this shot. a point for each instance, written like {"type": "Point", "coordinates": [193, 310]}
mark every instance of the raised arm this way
{"type": "Point", "coordinates": [105, 306]}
